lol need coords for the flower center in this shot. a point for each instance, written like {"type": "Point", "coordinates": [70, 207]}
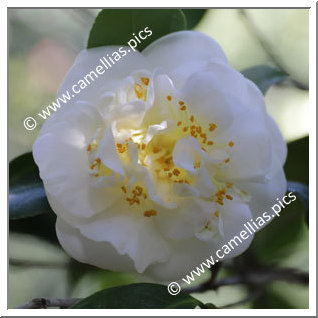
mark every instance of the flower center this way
{"type": "Point", "coordinates": [156, 155]}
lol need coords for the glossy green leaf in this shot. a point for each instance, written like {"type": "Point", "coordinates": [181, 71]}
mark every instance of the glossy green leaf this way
{"type": "Point", "coordinates": [297, 163]}
{"type": "Point", "coordinates": [138, 296]}
{"type": "Point", "coordinates": [193, 16]}
{"type": "Point", "coordinates": [41, 226]}
{"type": "Point", "coordinates": [264, 76]}
{"type": "Point", "coordinates": [26, 192]}
{"type": "Point", "coordinates": [302, 193]}
{"type": "Point", "coordinates": [118, 26]}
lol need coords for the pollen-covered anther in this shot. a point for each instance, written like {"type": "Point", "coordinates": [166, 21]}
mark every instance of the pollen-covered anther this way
{"type": "Point", "coordinates": [137, 193]}
{"type": "Point", "coordinates": [183, 107]}
{"type": "Point", "coordinates": [95, 163]}
{"type": "Point", "coordinates": [181, 103]}
{"type": "Point", "coordinates": [227, 160]}
{"type": "Point", "coordinates": [92, 146]}
{"type": "Point", "coordinates": [197, 165]}
{"type": "Point", "coordinates": [145, 80]}
{"type": "Point", "coordinates": [192, 118]}
{"type": "Point", "coordinates": [220, 202]}
{"type": "Point", "coordinates": [169, 98]}
{"type": "Point", "coordinates": [212, 127]}
{"type": "Point", "coordinates": [150, 213]}
{"type": "Point", "coordinates": [176, 172]}
{"type": "Point", "coordinates": [229, 197]}
{"type": "Point", "coordinates": [121, 148]}
{"type": "Point", "coordinates": [185, 129]}
{"type": "Point", "coordinates": [179, 123]}
{"type": "Point", "coordinates": [124, 189]}
{"type": "Point", "coordinates": [217, 213]}
{"type": "Point", "coordinates": [210, 143]}
{"type": "Point", "coordinates": [231, 143]}
{"type": "Point", "coordinates": [139, 90]}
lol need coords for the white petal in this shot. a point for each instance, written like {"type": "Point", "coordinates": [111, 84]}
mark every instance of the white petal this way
{"type": "Point", "coordinates": [184, 221]}
{"type": "Point", "coordinates": [207, 103]}
{"type": "Point", "coordinates": [251, 155]}
{"type": "Point", "coordinates": [189, 253]}
{"type": "Point", "coordinates": [130, 235]}
{"type": "Point", "coordinates": [100, 254]}
{"type": "Point", "coordinates": [176, 51]}
{"type": "Point", "coordinates": [108, 153]}
{"type": "Point", "coordinates": [64, 165]}
{"type": "Point", "coordinates": [88, 60]}
{"type": "Point", "coordinates": [264, 195]}
{"type": "Point", "coordinates": [187, 151]}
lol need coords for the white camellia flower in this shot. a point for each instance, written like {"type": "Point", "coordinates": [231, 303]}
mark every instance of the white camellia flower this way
{"type": "Point", "coordinates": [161, 160]}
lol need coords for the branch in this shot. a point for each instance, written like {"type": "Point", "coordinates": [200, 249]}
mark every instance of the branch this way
{"type": "Point", "coordinates": [43, 303]}
{"type": "Point", "coordinates": [255, 278]}
{"type": "Point", "coordinates": [43, 264]}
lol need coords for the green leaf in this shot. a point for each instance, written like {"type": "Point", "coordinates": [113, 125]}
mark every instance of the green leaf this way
{"type": "Point", "coordinates": [116, 26]}
{"type": "Point", "coordinates": [26, 192]}
{"type": "Point", "coordinates": [302, 193]}
{"type": "Point", "coordinates": [41, 226]}
{"type": "Point", "coordinates": [264, 76]}
{"type": "Point", "coordinates": [297, 163]}
{"type": "Point", "coordinates": [193, 16]}
{"type": "Point", "coordinates": [138, 296]}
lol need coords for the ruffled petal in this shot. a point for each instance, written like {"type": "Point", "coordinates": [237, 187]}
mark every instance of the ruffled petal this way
{"type": "Point", "coordinates": [134, 236]}
{"type": "Point", "coordinates": [181, 54]}
{"type": "Point", "coordinates": [100, 254]}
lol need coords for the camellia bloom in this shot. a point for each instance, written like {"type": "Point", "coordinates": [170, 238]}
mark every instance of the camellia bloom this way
{"type": "Point", "coordinates": [161, 160]}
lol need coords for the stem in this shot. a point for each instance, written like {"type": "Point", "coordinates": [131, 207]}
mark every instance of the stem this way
{"type": "Point", "coordinates": [43, 303]}
{"type": "Point", "coordinates": [256, 278]}
{"type": "Point", "coordinates": [42, 264]}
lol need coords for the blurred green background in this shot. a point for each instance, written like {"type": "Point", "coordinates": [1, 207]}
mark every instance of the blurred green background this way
{"type": "Point", "coordinates": [42, 46]}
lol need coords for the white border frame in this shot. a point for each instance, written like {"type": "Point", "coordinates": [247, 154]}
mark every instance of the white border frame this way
{"type": "Point", "coordinates": [312, 162]}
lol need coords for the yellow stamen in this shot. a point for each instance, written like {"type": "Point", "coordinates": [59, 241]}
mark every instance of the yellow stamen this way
{"type": "Point", "coordinates": [138, 90]}
{"type": "Point", "coordinates": [145, 80]}
{"type": "Point", "coordinates": [229, 197]}
{"type": "Point", "coordinates": [124, 189]}
{"type": "Point", "coordinates": [212, 127]}
{"type": "Point", "coordinates": [150, 213]}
